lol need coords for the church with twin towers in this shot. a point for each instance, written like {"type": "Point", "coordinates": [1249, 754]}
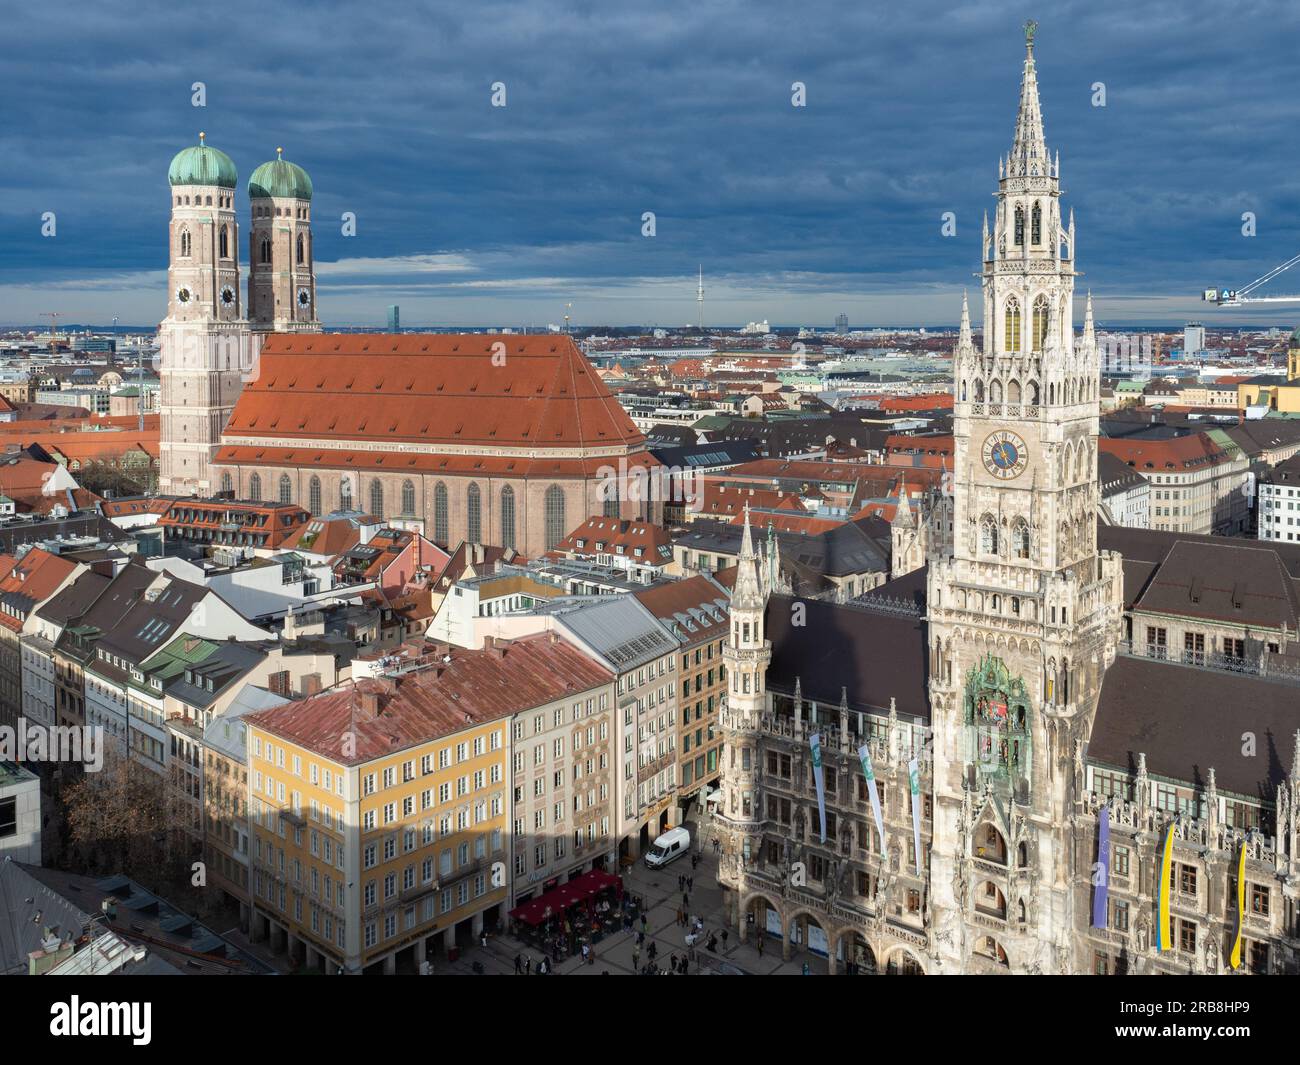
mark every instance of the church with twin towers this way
{"type": "Point", "coordinates": [210, 340]}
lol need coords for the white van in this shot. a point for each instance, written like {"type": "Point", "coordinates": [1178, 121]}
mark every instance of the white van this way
{"type": "Point", "coordinates": [668, 847]}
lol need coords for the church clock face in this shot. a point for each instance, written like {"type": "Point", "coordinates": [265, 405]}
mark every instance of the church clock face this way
{"type": "Point", "coordinates": [182, 295]}
{"type": "Point", "coordinates": [304, 298]}
{"type": "Point", "coordinates": [227, 296]}
{"type": "Point", "coordinates": [1005, 455]}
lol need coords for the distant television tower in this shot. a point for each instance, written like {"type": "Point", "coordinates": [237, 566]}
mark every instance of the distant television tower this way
{"type": "Point", "coordinates": [699, 297]}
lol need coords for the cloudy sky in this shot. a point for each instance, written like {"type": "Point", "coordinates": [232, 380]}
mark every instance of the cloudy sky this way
{"type": "Point", "coordinates": [471, 214]}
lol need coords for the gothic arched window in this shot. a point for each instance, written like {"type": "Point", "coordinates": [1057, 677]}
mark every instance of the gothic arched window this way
{"type": "Point", "coordinates": [473, 514]}
{"type": "Point", "coordinates": [1020, 538]}
{"type": "Point", "coordinates": [185, 243]}
{"type": "Point", "coordinates": [1036, 225]}
{"type": "Point", "coordinates": [1011, 323]}
{"type": "Point", "coordinates": [345, 494]}
{"type": "Point", "coordinates": [227, 484]}
{"type": "Point", "coordinates": [1040, 323]}
{"type": "Point", "coordinates": [979, 391]}
{"type": "Point", "coordinates": [300, 248]}
{"type": "Point", "coordinates": [507, 517]}
{"type": "Point", "coordinates": [286, 489]}
{"type": "Point", "coordinates": [408, 500]}
{"type": "Point", "coordinates": [988, 535]}
{"type": "Point", "coordinates": [266, 250]}
{"type": "Point", "coordinates": [995, 391]}
{"type": "Point", "coordinates": [255, 488]}
{"type": "Point", "coordinates": [1020, 226]}
{"type": "Point", "coordinates": [1013, 392]}
{"type": "Point", "coordinates": [224, 241]}
{"type": "Point", "coordinates": [440, 532]}
{"type": "Point", "coordinates": [1033, 393]}
{"type": "Point", "coordinates": [377, 498]}
{"type": "Point", "coordinates": [553, 507]}
{"type": "Point", "coordinates": [313, 496]}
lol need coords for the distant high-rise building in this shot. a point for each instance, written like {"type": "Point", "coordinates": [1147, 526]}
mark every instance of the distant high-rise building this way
{"type": "Point", "coordinates": [841, 323]}
{"type": "Point", "coordinates": [394, 319]}
{"type": "Point", "coordinates": [1193, 338]}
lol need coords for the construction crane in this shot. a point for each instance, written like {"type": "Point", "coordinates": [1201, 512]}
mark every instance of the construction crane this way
{"type": "Point", "coordinates": [53, 316]}
{"type": "Point", "coordinates": [1229, 297]}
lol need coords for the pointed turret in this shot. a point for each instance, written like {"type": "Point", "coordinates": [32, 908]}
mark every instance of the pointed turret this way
{"type": "Point", "coordinates": [903, 515]}
{"type": "Point", "coordinates": [748, 592]}
{"type": "Point", "coordinates": [1089, 329]}
{"type": "Point", "coordinates": [1029, 148]}
{"type": "Point", "coordinates": [965, 338]}
{"type": "Point", "coordinates": [1295, 760]}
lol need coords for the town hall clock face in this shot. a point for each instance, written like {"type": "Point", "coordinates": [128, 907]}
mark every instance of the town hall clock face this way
{"type": "Point", "coordinates": [1005, 455]}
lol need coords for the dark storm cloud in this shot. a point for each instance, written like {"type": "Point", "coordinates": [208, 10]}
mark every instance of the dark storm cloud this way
{"type": "Point", "coordinates": [678, 108]}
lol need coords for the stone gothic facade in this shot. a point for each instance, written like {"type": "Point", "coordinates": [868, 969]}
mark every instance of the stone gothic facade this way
{"type": "Point", "coordinates": [988, 763]}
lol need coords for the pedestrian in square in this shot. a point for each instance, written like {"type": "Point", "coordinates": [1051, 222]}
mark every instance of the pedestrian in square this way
{"type": "Point", "coordinates": [760, 944]}
{"type": "Point", "coordinates": [725, 933]}
{"type": "Point", "coordinates": [519, 965]}
{"type": "Point", "coordinates": [690, 883]}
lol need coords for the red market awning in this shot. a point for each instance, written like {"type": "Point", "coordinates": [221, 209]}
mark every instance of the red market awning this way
{"type": "Point", "coordinates": [562, 896]}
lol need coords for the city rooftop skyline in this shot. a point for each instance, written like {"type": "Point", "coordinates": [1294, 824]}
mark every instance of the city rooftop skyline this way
{"type": "Point", "coordinates": [470, 214]}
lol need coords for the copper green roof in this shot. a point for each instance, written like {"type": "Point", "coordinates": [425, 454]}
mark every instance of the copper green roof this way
{"type": "Point", "coordinates": [281, 179]}
{"type": "Point", "coordinates": [202, 165]}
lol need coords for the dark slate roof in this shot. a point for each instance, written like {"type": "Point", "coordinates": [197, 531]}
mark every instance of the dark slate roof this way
{"type": "Point", "coordinates": [1187, 720]}
{"type": "Point", "coordinates": [874, 654]}
{"type": "Point", "coordinates": [910, 588]}
{"type": "Point", "coordinates": [1234, 583]}
{"type": "Point", "coordinates": [75, 599]}
{"type": "Point", "coordinates": [1220, 562]}
{"type": "Point", "coordinates": [14, 534]}
{"type": "Point", "coordinates": [723, 452]}
{"type": "Point", "coordinates": [1254, 437]}
{"type": "Point", "coordinates": [1115, 475]}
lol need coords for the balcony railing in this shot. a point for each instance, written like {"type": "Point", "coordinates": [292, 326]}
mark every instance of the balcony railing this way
{"type": "Point", "coordinates": [1259, 664]}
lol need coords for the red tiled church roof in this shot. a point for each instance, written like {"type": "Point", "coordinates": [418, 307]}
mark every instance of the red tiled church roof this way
{"type": "Point", "coordinates": [431, 389]}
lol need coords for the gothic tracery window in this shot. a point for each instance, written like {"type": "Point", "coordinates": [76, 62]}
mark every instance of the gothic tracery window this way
{"type": "Point", "coordinates": [507, 517]}
{"type": "Point", "coordinates": [1040, 323]}
{"type": "Point", "coordinates": [265, 250]}
{"type": "Point", "coordinates": [1011, 326]}
{"type": "Point", "coordinates": [1020, 227]}
{"type": "Point", "coordinates": [377, 498]}
{"type": "Point", "coordinates": [440, 531]}
{"type": "Point", "coordinates": [553, 506]}
{"type": "Point", "coordinates": [474, 514]}
{"type": "Point", "coordinates": [1036, 225]}
{"type": "Point", "coordinates": [313, 496]}
{"type": "Point", "coordinates": [1020, 538]}
{"type": "Point", "coordinates": [286, 489]}
{"type": "Point", "coordinates": [255, 488]}
{"type": "Point", "coordinates": [989, 535]}
{"type": "Point", "coordinates": [185, 243]}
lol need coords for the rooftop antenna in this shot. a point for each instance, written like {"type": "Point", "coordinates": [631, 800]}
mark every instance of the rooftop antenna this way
{"type": "Point", "coordinates": [567, 308]}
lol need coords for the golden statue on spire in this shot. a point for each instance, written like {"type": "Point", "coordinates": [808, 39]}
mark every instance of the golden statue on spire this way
{"type": "Point", "coordinates": [1031, 27]}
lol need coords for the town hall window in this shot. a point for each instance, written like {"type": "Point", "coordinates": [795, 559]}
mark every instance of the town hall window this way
{"type": "Point", "coordinates": [1011, 330]}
